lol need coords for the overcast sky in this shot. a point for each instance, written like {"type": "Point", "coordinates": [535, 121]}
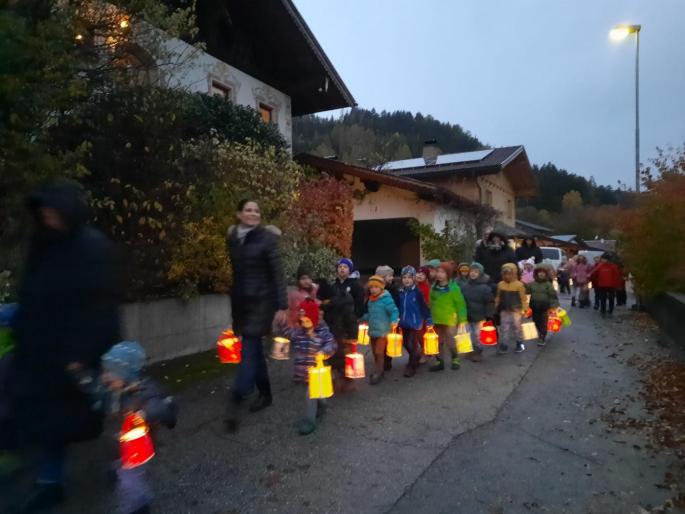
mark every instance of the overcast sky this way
{"type": "Point", "coordinates": [541, 73]}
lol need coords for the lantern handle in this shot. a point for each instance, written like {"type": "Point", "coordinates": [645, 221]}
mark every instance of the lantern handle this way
{"type": "Point", "coordinates": [319, 360]}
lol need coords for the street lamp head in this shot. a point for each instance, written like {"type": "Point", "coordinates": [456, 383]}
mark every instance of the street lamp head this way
{"type": "Point", "coordinates": [620, 32]}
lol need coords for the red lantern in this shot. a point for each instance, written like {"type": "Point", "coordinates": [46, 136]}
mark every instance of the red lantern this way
{"type": "Point", "coordinates": [488, 334]}
{"type": "Point", "coordinates": [554, 324]}
{"type": "Point", "coordinates": [354, 364]}
{"type": "Point", "coordinates": [135, 442]}
{"type": "Point", "coordinates": [228, 348]}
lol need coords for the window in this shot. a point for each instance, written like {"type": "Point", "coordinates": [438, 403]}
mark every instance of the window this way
{"type": "Point", "coordinates": [266, 112]}
{"type": "Point", "coordinates": [219, 89]}
{"type": "Point", "coordinates": [488, 197]}
{"type": "Point", "coordinates": [510, 209]}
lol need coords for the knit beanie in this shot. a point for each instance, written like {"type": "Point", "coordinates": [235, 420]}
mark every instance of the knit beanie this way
{"type": "Point", "coordinates": [448, 267]}
{"type": "Point", "coordinates": [509, 266]}
{"type": "Point", "coordinates": [463, 266]}
{"type": "Point", "coordinates": [433, 263]}
{"type": "Point", "coordinates": [310, 310]}
{"type": "Point", "coordinates": [425, 270]}
{"type": "Point", "coordinates": [375, 280]}
{"type": "Point", "coordinates": [347, 262]}
{"type": "Point", "coordinates": [385, 271]}
{"type": "Point", "coordinates": [125, 360]}
{"type": "Point", "coordinates": [409, 270]}
{"type": "Point", "coordinates": [478, 266]}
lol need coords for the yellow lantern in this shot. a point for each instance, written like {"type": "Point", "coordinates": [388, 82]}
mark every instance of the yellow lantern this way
{"type": "Point", "coordinates": [320, 380]}
{"type": "Point", "coordinates": [529, 330]}
{"type": "Point", "coordinates": [363, 333]}
{"type": "Point", "coordinates": [563, 315]}
{"type": "Point", "coordinates": [464, 344]}
{"type": "Point", "coordinates": [354, 364]}
{"type": "Point", "coordinates": [394, 347]}
{"type": "Point", "coordinates": [280, 351]}
{"type": "Point", "coordinates": [431, 344]}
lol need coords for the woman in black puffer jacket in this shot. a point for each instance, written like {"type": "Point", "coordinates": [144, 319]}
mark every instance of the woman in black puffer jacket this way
{"type": "Point", "coordinates": [258, 293]}
{"type": "Point", "coordinates": [528, 249]}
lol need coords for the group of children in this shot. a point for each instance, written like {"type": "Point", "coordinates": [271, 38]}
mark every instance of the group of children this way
{"type": "Point", "coordinates": [434, 297]}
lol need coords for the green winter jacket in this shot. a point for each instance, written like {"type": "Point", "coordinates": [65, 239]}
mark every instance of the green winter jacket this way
{"type": "Point", "coordinates": [542, 295]}
{"type": "Point", "coordinates": [447, 305]}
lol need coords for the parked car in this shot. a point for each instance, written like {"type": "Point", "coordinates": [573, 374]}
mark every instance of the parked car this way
{"type": "Point", "coordinates": [552, 256]}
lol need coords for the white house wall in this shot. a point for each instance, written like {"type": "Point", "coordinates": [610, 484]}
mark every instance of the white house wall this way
{"type": "Point", "coordinates": [198, 69]}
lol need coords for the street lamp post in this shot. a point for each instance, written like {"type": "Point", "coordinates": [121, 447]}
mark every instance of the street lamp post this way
{"type": "Point", "coordinates": [619, 33]}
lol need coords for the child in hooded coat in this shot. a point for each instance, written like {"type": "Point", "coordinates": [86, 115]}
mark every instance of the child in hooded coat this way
{"type": "Point", "coordinates": [383, 316]}
{"type": "Point", "coordinates": [479, 305]}
{"type": "Point", "coordinates": [543, 297]}
{"type": "Point", "coordinates": [414, 316]}
{"type": "Point", "coordinates": [511, 303]}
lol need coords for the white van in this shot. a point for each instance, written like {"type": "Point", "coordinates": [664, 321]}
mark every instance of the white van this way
{"type": "Point", "coordinates": [552, 255]}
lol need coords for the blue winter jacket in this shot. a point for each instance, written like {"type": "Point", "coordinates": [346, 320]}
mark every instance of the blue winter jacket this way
{"type": "Point", "coordinates": [382, 313]}
{"type": "Point", "coordinates": [413, 309]}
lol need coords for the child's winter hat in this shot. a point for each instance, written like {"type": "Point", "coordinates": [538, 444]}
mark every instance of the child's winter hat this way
{"type": "Point", "coordinates": [433, 263]}
{"type": "Point", "coordinates": [425, 270]}
{"type": "Point", "coordinates": [448, 267]}
{"type": "Point", "coordinates": [125, 360]}
{"type": "Point", "coordinates": [478, 266]}
{"type": "Point", "coordinates": [542, 267]}
{"type": "Point", "coordinates": [509, 266]}
{"type": "Point", "coordinates": [310, 310]}
{"type": "Point", "coordinates": [385, 271]}
{"type": "Point", "coordinates": [375, 280]}
{"type": "Point", "coordinates": [409, 270]}
{"type": "Point", "coordinates": [347, 262]}
{"type": "Point", "coordinates": [463, 266]}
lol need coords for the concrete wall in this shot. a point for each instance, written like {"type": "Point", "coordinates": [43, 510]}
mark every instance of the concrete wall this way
{"type": "Point", "coordinates": [668, 309]}
{"type": "Point", "coordinates": [171, 328]}
{"type": "Point", "coordinates": [199, 69]}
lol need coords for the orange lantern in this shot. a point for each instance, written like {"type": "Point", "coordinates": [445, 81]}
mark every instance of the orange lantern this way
{"type": "Point", "coordinates": [363, 333]}
{"type": "Point", "coordinates": [554, 324]}
{"type": "Point", "coordinates": [135, 442]}
{"type": "Point", "coordinates": [488, 334]}
{"type": "Point", "coordinates": [354, 364]}
{"type": "Point", "coordinates": [394, 346]}
{"type": "Point", "coordinates": [430, 342]}
{"type": "Point", "coordinates": [229, 348]}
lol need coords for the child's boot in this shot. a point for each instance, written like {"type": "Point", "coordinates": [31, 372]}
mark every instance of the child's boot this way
{"type": "Point", "coordinates": [438, 366]}
{"type": "Point", "coordinates": [502, 349]}
{"type": "Point", "coordinates": [573, 301]}
{"type": "Point", "coordinates": [456, 363]}
{"type": "Point", "coordinates": [520, 347]}
{"type": "Point", "coordinates": [306, 426]}
{"type": "Point", "coordinates": [375, 378]}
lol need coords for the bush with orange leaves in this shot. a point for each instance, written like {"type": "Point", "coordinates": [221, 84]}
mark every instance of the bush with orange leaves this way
{"type": "Point", "coordinates": [653, 240]}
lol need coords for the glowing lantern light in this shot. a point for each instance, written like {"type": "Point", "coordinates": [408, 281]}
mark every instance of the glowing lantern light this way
{"type": "Point", "coordinates": [123, 23]}
{"type": "Point", "coordinates": [488, 334]}
{"type": "Point", "coordinates": [563, 315]}
{"type": "Point", "coordinates": [135, 442]}
{"type": "Point", "coordinates": [529, 330]}
{"type": "Point", "coordinates": [394, 347]}
{"type": "Point", "coordinates": [363, 333]}
{"type": "Point", "coordinates": [79, 37]}
{"type": "Point", "coordinates": [281, 349]}
{"type": "Point", "coordinates": [431, 342]}
{"type": "Point", "coordinates": [354, 364]}
{"type": "Point", "coordinates": [463, 342]}
{"type": "Point", "coordinates": [229, 348]}
{"type": "Point", "coordinates": [320, 380]}
{"type": "Point", "coordinates": [554, 324]}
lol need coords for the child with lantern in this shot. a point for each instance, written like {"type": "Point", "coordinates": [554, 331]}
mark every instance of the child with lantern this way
{"type": "Point", "coordinates": [382, 316]}
{"type": "Point", "coordinates": [135, 404]}
{"type": "Point", "coordinates": [414, 315]}
{"type": "Point", "coordinates": [511, 304]}
{"type": "Point", "coordinates": [543, 298]}
{"type": "Point", "coordinates": [448, 310]}
{"type": "Point", "coordinates": [310, 338]}
{"type": "Point", "coordinates": [479, 305]}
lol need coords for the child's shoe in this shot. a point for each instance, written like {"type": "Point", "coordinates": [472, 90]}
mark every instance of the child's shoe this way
{"type": "Point", "coordinates": [409, 371]}
{"type": "Point", "coordinates": [542, 342]}
{"type": "Point", "coordinates": [456, 363]}
{"type": "Point", "coordinates": [502, 349]}
{"type": "Point", "coordinates": [520, 347]}
{"type": "Point", "coordinates": [306, 427]}
{"type": "Point", "coordinates": [476, 356]}
{"type": "Point", "coordinates": [375, 378]}
{"type": "Point", "coordinates": [438, 366]}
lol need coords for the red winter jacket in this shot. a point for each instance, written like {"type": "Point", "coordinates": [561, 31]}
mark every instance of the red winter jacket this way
{"type": "Point", "coordinates": [606, 274]}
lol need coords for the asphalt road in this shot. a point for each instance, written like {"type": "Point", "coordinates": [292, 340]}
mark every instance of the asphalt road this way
{"type": "Point", "coordinates": [513, 434]}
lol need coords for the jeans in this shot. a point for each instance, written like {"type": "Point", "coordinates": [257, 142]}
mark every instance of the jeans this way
{"type": "Point", "coordinates": [473, 328]}
{"type": "Point", "coordinates": [51, 465]}
{"type": "Point", "coordinates": [252, 370]}
{"type": "Point", "coordinates": [602, 294]}
{"type": "Point", "coordinates": [446, 335]}
{"type": "Point", "coordinates": [540, 318]}
{"type": "Point", "coordinates": [133, 490]}
{"type": "Point", "coordinates": [510, 326]}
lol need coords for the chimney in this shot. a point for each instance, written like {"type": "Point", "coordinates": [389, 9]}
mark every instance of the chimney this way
{"type": "Point", "coordinates": [431, 150]}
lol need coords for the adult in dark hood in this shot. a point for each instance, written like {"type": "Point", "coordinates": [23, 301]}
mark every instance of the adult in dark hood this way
{"type": "Point", "coordinates": [67, 319]}
{"type": "Point", "coordinates": [528, 249]}
{"type": "Point", "coordinates": [492, 253]}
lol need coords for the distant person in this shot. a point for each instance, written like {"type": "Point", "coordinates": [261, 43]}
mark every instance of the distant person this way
{"type": "Point", "coordinates": [258, 294]}
{"type": "Point", "coordinates": [344, 283]}
{"type": "Point", "coordinates": [388, 275]}
{"type": "Point", "coordinates": [511, 303]}
{"type": "Point", "coordinates": [493, 252]}
{"type": "Point", "coordinates": [580, 273]}
{"type": "Point", "coordinates": [606, 278]}
{"type": "Point", "coordinates": [564, 277]}
{"type": "Point", "coordinates": [422, 282]}
{"type": "Point", "coordinates": [462, 275]}
{"type": "Point", "coordinates": [304, 288]}
{"type": "Point", "coordinates": [527, 269]}
{"type": "Point", "coordinates": [68, 318]}
{"type": "Point", "coordinates": [529, 249]}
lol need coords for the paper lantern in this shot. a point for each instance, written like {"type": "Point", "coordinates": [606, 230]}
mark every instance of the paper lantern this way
{"type": "Point", "coordinates": [320, 380]}
{"type": "Point", "coordinates": [354, 364]}
{"type": "Point", "coordinates": [280, 350]}
{"type": "Point", "coordinates": [363, 333]}
{"type": "Point", "coordinates": [135, 442]}
{"type": "Point", "coordinates": [488, 334]}
{"type": "Point", "coordinates": [563, 315]}
{"type": "Point", "coordinates": [431, 344]}
{"type": "Point", "coordinates": [463, 342]}
{"type": "Point", "coordinates": [553, 324]}
{"type": "Point", "coordinates": [394, 346]}
{"type": "Point", "coordinates": [229, 348]}
{"type": "Point", "coordinates": [529, 330]}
